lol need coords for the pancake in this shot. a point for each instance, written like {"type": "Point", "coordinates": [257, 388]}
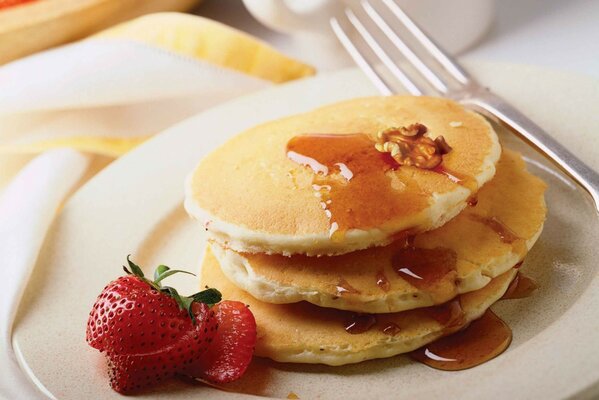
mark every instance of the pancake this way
{"type": "Point", "coordinates": [305, 333]}
{"type": "Point", "coordinates": [482, 242]}
{"type": "Point", "coordinates": [316, 184]}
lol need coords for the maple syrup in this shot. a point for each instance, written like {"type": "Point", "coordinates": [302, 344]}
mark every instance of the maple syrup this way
{"type": "Point", "coordinates": [425, 269]}
{"type": "Point", "coordinates": [410, 240]}
{"type": "Point", "coordinates": [382, 281]}
{"type": "Point", "coordinates": [467, 181]}
{"type": "Point", "coordinates": [450, 315]}
{"type": "Point", "coordinates": [522, 286]}
{"type": "Point", "coordinates": [351, 182]}
{"type": "Point", "coordinates": [360, 323]}
{"type": "Point", "coordinates": [481, 341]}
{"type": "Point", "coordinates": [503, 231]}
{"type": "Point", "coordinates": [506, 235]}
{"type": "Point", "coordinates": [391, 329]}
{"type": "Point", "coordinates": [344, 288]}
{"type": "Point", "coordinates": [467, 345]}
{"type": "Point", "coordinates": [472, 201]}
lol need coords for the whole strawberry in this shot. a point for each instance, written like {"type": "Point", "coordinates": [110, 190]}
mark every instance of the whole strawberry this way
{"type": "Point", "coordinates": [149, 332]}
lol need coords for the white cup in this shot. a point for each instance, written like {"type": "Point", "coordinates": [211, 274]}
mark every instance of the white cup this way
{"type": "Point", "coordinates": [454, 24]}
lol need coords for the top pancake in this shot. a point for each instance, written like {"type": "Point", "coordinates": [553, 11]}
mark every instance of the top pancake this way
{"type": "Point", "coordinates": [253, 198]}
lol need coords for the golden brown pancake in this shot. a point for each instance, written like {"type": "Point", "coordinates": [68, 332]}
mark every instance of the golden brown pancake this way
{"type": "Point", "coordinates": [257, 192]}
{"type": "Point", "coordinates": [482, 242]}
{"type": "Point", "coordinates": [305, 333]}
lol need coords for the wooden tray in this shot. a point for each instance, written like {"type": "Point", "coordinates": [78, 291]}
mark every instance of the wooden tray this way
{"type": "Point", "coordinates": [35, 26]}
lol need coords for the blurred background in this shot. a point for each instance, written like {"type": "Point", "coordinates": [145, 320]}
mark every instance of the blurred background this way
{"type": "Point", "coordinates": [562, 34]}
{"type": "Point", "coordinates": [555, 33]}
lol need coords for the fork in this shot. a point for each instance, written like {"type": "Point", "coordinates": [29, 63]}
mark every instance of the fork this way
{"type": "Point", "coordinates": [370, 33]}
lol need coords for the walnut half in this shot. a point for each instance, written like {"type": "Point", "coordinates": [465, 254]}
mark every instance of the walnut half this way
{"type": "Point", "coordinates": [409, 146]}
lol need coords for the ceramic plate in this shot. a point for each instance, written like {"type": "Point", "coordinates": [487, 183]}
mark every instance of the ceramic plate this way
{"type": "Point", "coordinates": [134, 206]}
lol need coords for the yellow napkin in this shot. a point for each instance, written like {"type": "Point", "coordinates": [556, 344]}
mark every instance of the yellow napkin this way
{"type": "Point", "coordinates": [111, 123]}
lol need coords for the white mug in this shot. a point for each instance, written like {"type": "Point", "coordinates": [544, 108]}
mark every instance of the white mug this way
{"type": "Point", "coordinates": [454, 24]}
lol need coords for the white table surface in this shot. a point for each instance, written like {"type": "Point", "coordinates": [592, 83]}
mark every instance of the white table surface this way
{"type": "Point", "coordinates": [560, 34]}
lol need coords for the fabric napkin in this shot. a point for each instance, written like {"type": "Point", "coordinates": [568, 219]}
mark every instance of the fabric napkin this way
{"type": "Point", "coordinates": [68, 112]}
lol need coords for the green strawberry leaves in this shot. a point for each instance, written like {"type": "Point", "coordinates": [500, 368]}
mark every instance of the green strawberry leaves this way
{"type": "Point", "coordinates": [209, 296]}
{"type": "Point", "coordinates": [162, 271]}
{"type": "Point", "coordinates": [135, 269]}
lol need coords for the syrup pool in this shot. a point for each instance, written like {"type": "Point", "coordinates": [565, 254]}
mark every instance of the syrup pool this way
{"type": "Point", "coordinates": [481, 341]}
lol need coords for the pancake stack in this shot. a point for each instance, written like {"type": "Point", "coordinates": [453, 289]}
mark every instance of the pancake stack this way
{"type": "Point", "coordinates": [367, 228]}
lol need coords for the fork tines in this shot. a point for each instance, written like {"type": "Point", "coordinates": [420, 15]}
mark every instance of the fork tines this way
{"type": "Point", "coordinates": [378, 31]}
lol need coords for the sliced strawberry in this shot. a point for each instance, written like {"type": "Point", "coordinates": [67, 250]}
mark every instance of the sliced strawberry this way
{"type": "Point", "coordinates": [149, 332]}
{"type": "Point", "coordinates": [233, 346]}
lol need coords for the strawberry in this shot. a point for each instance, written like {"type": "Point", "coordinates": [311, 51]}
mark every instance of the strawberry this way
{"type": "Point", "coordinates": [149, 332]}
{"type": "Point", "coordinates": [231, 351]}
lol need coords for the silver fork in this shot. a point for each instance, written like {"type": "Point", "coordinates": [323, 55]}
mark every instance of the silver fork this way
{"type": "Point", "coordinates": [369, 32]}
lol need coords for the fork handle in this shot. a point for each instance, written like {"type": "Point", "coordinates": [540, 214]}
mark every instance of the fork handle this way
{"type": "Point", "coordinates": [496, 108]}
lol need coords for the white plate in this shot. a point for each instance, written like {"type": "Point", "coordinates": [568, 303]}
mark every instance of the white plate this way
{"type": "Point", "coordinates": [134, 206]}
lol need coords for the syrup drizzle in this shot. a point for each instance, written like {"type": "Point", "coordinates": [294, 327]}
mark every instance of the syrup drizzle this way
{"type": "Point", "coordinates": [522, 286]}
{"type": "Point", "coordinates": [450, 315]}
{"type": "Point", "coordinates": [351, 182]}
{"type": "Point", "coordinates": [425, 269]}
{"type": "Point", "coordinates": [467, 181]}
{"type": "Point", "coordinates": [503, 231]}
{"type": "Point", "coordinates": [391, 329]}
{"type": "Point", "coordinates": [360, 323]}
{"type": "Point", "coordinates": [382, 281]}
{"type": "Point", "coordinates": [483, 340]}
{"type": "Point", "coordinates": [466, 345]}
{"type": "Point", "coordinates": [517, 266]}
{"type": "Point", "coordinates": [344, 288]}
{"type": "Point", "coordinates": [506, 235]}
{"type": "Point", "coordinates": [472, 201]}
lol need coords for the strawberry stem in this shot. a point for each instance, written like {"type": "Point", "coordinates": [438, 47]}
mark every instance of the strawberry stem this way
{"type": "Point", "coordinates": [209, 296]}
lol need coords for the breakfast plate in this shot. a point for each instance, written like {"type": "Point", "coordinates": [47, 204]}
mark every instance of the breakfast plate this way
{"type": "Point", "coordinates": [135, 207]}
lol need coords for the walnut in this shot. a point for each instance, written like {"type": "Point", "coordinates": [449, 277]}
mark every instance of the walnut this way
{"type": "Point", "coordinates": [442, 145]}
{"type": "Point", "coordinates": [409, 146]}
